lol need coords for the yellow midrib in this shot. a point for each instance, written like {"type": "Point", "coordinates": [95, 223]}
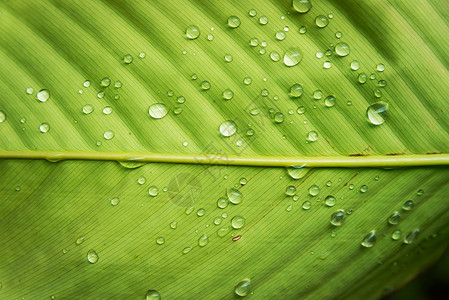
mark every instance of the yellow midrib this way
{"type": "Point", "coordinates": [220, 159]}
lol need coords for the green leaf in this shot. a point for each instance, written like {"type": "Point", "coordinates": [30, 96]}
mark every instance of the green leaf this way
{"type": "Point", "coordinates": [78, 224]}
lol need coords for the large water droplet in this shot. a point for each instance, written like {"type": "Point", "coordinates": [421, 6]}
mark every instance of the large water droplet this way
{"type": "Point", "coordinates": [321, 21]}
{"type": "Point", "coordinates": [158, 110]}
{"type": "Point", "coordinates": [410, 238]}
{"type": "Point", "coordinates": [342, 49]}
{"type": "Point", "coordinates": [306, 205]}
{"type": "Point", "coordinates": [234, 196]}
{"type": "Point", "coordinates": [228, 128]}
{"type": "Point", "coordinates": [43, 95]}
{"type": "Point", "coordinates": [234, 22]}
{"type": "Point", "coordinates": [127, 59]}
{"type": "Point", "coordinates": [330, 200]}
{"type": "Point", "coordinates": [203, 240]}
{"type": "Point", "coordinates": [396, 235]}
{"type": "Point", "coordinates": [92, 256]}
{"type": "Point", "coordinates": [377, 113]}
{"type": "Point", "coordinates": [302, 6]}
{"type": "Point", "coordinates": [297, 172]}
{"type": "Point", "coordinates": [160, 240]}
{"type": "Point", "coordinates": [292, 57]}
{"type": "Point", "coordinates": [296, 90]}
{"type": "Point", "coordinates": [87, 109]}
{"type": "Point", "coordinates": [237, 222]}
{"type": "Point", "coordinates": [252, 13]}
{"type": "Point", "coordinates": [329, 101]}
{"type": "Point", "coordinates": [205, 85]}
{"type": "Point", "coordinates": [394, 218]}
{"type": "Point", "coordinates": [314, 190]}
{"type": "Point", "coordinates": [44, 127]}
{"type": "Point", "coordinates": [227, 94]}
{"type": "Point", "coordinates": [408, 205]}
{"type": "Point", "coordinates": [108, 135]}
{"type": "Point", "coordinates": [153, 191]}
{"type": "Point", "coordinates": [115, 201]}
{"type": "Point", "coordinates": [2, 116]}
{"type": "Point", "coordinates": [312, 136]}
{"type": "Point", "coordinates": [153, 295]}
{"type": "Point", "coordinates": [105, 82]}
{"type": "Point", "coordinates": [192, 32]}
{"type": "Point", "coordinates": [279, 117]}
{"type": "Point", "coordinates": [280, 35]}
{"type": "Point", "coordinates": [243, 287]}
{"type": "Point", "coordinates": [369, 240]}
{"type": "Point", "coordinates": [338, 217]}
{"type": "Point", "coordinates": [290, 190]}
{"type": "Point", "coordinates": [222, 202]}
{"type": "Point", "coordinates": [263, 20]}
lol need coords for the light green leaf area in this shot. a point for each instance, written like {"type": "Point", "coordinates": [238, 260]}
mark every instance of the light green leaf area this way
{"type": "Point", "coordinates": [105, 230]}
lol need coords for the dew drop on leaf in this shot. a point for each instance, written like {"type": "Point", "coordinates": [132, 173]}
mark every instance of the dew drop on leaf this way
{"type": "Point", "coordinates": [127, 59]}
{"type": "Point", "coordinates": [362, 78]}
{"type": "Point", "coordinates": [243, 287]}
{"type": "Point", "coordinates": [314, 190]}
{"type": "Point", "coordinates": [192, 32]}
{"type": "Point", "coordinates": [107, 110]}
{"type": "Point", "coordinates": [306, 205]}
{"type": "Point", "coordinates": [290, 190]}
{"type": "Point", "coordinates": [263, 20]}
{"type": "Point", "coordinates": [237, 222]}
{"type": "Point", "coordinates": [186, 250]}
{"type": "Point", "coordinates": [363, 188]}
{"type": "Point", "coordinates": [115, 201]}
{"type": "Point", "coordinates": [376, 113]}
{"type": "Point", "coordinates": [252, 13]}
{"type": "Point", "coordinates": [330, 200]}
{"type": "Point", "coordinates": [158, 110]}
{"type": "Point", "coordinates": [394, 218]}
{"type": "Point", "coordinates": [380, 67]}
{"type": "Point", "coordinates": [292, 57]}
{"type": "Point", "coordinates": [222, 202]}
{"type": "Point", "coordinates": [105, 82]}
{"type": "Point", "coordinates": [153, 295]}
{"type": "Point", "coordinates": [280, 35]}
{"type": "Point", "coordinates": [327, 64]}
{"type": "Point", "coordinates": [29, 90]}
{"type": "Point", "coordinates": [303, 29]}
{"type": "Point", "coordinates": [321, 21]}
{"type": "Point", "coordinates": [2, 116]}
{"type": "Point", "coordinates": [141, 180]}
{"type": "Point", "coordinates": [160, 240]}
{"type": "Point", "coordinates": [279, 117]}
{"type": "Point", "coordinates": [355, 65]}
{"type": "Point", "coordinates": [228, 128]}
{"type": "Point", "coordinates": [108, 135]}
{"type": "Point", "coordinates": [87, 109]}
{"type": "Point", "coordinates": [297, 172]}
{"type": "Point", "coordinates": [408, 205]}
{"type": "Point", "coordinates": [312, 136]}
{"type": "Point", "coordinates": [342, 49]}
{"type": "Point", "coordinates": [338, 217]}
{"type": "Point", "coordinates": [92, 256]}
{"type": "Point", "coordinates": [205, 85]}
{"type": "Point", "coordinates": [200, 212]}
{"type": "Point", "coordinates": [153, 191]}
{"type": "Point", "coordinates": [296, 90]}
{"type": "Point", "coordinates": [43, 95]}
{"type": "Point", "coordinates": [173, 225]}
{"type": "Point", "coordinates": [228, 94]}
{"type": "Point", "coordinates": [410, 238]}
{"type": "Point", "coordinates": [234, 21]}
{"type": "Point", "coordinates": [302, 6]}
{"type": "Point", "coordinates": [234, 196]}
{"type": "Point", "coordinates": [44, 127]}
{"type": "Point", "coordinates": [369, 240]}
{"type": "Point", "coordinates": [203, 240]}
{"type": "Point", "coordinates": [329, 101]}
{"type": "Point", "coordinates": [396, 235]}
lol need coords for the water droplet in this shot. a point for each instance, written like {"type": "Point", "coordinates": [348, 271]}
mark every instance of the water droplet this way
{"type": "Point", "coordinates": [227, 94]}
{"type": "Point", "coordinates": [292, 57]}
{"type": "Point", "coordinates": [194, 76]}
{"type": "Point", "coordinates": [338, 217]}
{"type": "Point", "coordinates": [338, 35]}
{"type": "Point", "coordinates": [234, 196]}
{"type": "Point", "coordinates": [355, 65]}
{"type": "Point", "coordinates": [290, 190]}
{"type": "Point", "coordinates": [222, 231]}
{"type": "Point", "coordinates": [108, 135]}
{"type": "Point", "coordinates": [351, 186]}
{"type": "Point", "coordinates": [203, 240]}
{"type": "Point", "coordinates": [243, 287]}
{"type": "Point", "coordinates": [280, 35]}
{"type": "Point", "coordinates": [408, 205]}
{"type": "Point", "coordinates": [29, 90]}
{"type": "Point", "coordinates": [228, 58]}
{"type": "Point", "coordinates": [243, 181]}
{"type": "Point", "coordinates": [2, 116]}
{"type": "Point", "coordinates": [173, 225]}
{"type": "Point", "coordinates": [317, 94]}
{"type": "Point", "coordinates": [153, 191]}
{"type": "Point", "coordinates": [381, 83]}
{"type": "Point", "coordinates": [306, 205]}
{"type": "Point", "coordinates": [160, 240]}
{"type": "Point", "coordinates": [302, 6]}
{"type": "Point", "coordinates": [394, 218]}
{"type": "Point", "coordinates": [262, 51]}
{"type": "Point", "coordinates": [44, 127]}
{"type": "Point", "coordinates": [279, 117]}
{"type": "Point", "coordinates": [115, 201]}
{"type": "Point", "coordinates": [192, 32]}
{"type": "Point", "coordinates": [210, 37]}
{"type": "Point", "coordinates": [43, 95]}
{"type": "Point", "coordinates": [327, 64]}
{"type": "Point", "coordinates": [205, 85]}
{"type": "Point", "coordinates": [329, 101]}
{"type": "Point", "coordinates": [330, 200]}
{"type": "Point", "coordinates": [342, 49]}
{"type": "Point", "coordinates": [247, 80]}
{"type": "Point", "coordinates": [380, 67]}
{"type": "Point", "coordinates": [321, 21]}
{"type": "Point", "coordinates": [18, 188]}
{"type": "Point", "coordinates": [107, 110]}
{"type": "Point", "coordinates": [329, 183]}
{"type": "Point", "coordinates": [252, 13]}
{"type": "Point", "coordinates": [377, 93]}
{"type": "Point", "coordinates": [92, 256]}
{"type": "Point", "coordinates": [396, 235]}
{"type": "Point", "coordinates": [186, 250]}
{"type": "Point", "coordinates": [105, 81]}
{"type": "Point", "coordinates": [79, 241]}
{"type": "Point", "coordinates": [296, 90]}
{"type": "Point", "coordinates": [297, 172]}
{"type": "Point", "coordinates": [410, 238]}
{"type": "Point", "coordinates": [228, 128]}
{"type": "Point", "coordinates": [312, 136]}
{"type": "Point", "coordinates": [372, 76]}
{"type": "Point", "coordinates": [263, 20]}
{"type": "Point", "coordinates": [217, 221]}
{"type": "Point", "coordinates": [250, 132]}
{"type": "Point", "coordinates": [420, 192]}
{"type": "Point", "coordinates": [87, 109]}
{"type": "Point", "coordinates": [377, 113]}
{"type": "Point", "coordinates": [234, 22]}
{"type": "Point", "coordinates": [86, 83]}
{"type": "Point", "coordinates": [369, 240]}
{"type": "Point", "coordinates": [153, 295]}
{"type": "Point", "coordinates": [200, 212]}
{"type": "Point", "coordinates": [127, 59]}
{"type": "Point", "coordinates": [100, 95]}
{"type": "Point", "coordinates": [142, 55]}
{"type": "Point", "coordinates": [158, 110]}
{"type": "Point", "coordinates": [363, 188]}
{"type": "Point", "coordinates": [118, 84]}
{"type": "Point", "coordinates": [314, 190]}
{"type": "Point", "coordinates": [237, 222]}
{"type": "Point", "coordinates": [362, 78]}
{"type": "Point", "coordinates": [301, 110]}
{"type": "Point", "coordinates": [141, 180]}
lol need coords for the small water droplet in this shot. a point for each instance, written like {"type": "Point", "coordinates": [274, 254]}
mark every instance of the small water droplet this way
{"type": "Point", "coordinates": [108, 135]}
{"type": "Point", "coordinates": [394, 218]}
{"type": "Point", "coordinates": [338, 35]}
{"type": "Point", "coordinates": [153, 295]}
{"type": "Point", "coordinates": [234, 196]}
{"type": "Point", "coordinates": [87, 109]}
{"type": "Point", "coordinates": [105, 82]}
{"type": "Point", "coordinates": [158, 110]}
{"type": "Point", "coordinates": [79, 240]}
{"type": "Point", "coordinates": [351, 186]}
{"type": "Point", "coordinates": [107, 110]}
{"type": "Point", "coordinates": [92, 256]}
{"type": "Point", "coordinates": [192, 32]}
{"type": "Point", "coordinates": [292, 57]}
{"type": "Point", "coordinates": [252, 13]}
{"type": "Point", "coordinates": [118, 84]}
{"type": "Point", "coordinates": [302, 6]}
{"type": "Point", "coordinates": [2, 116]}
{"type": "Point", "coordinates": [381, 83]}
{"type": "Point", "coordinates": [228, 58]}
{"type": "Point", "coordinates": [254, 42]}
{"type": "Point", "coordinates": [362, 78]}
{"type": "Point", "coordinates": [314, 190]}
{"type": "Point", "coordinates": [306, 205]}
{"type": "Point", "coordinates": [312, 136]}
{"type": "Point", "coordinates": [396, 235]}
{"type": "Point", "coordinates": [228, 128]}
{"type": "Point", "coordinates": [330, 200]}
{"type": "Point", "coordinates": [410, 238]}
{"type": "Point", "coordinates": [327, 64]}
{"type": "Point", "coordinates": [301, 110]}
{"type": "Point", "coordinates": [86, 83]}
{"type": "Point", "coordinates": [290, 190]}
{"type": "Point", "coordinates": [217, 221]}
{"type": "Point", "coordinates": [200, 212]}
{"type": "Point", "coordinates": [369, 240]}
{"type": "Point", "coordinates": [43, 95]}
{"type": "Point", "coordinates": [203, 240]}
{"type": "Point", "coordinates": [376, 113]}
{"type": "Point", "coordinates": [408, 205]}
{"type": "Point", "coordinates": [160, 240]}
{"type": "Point", "coordinates": [420, 192]}
{"type": "Point", "coordinates": [377, 93]}
{"type": "Point", "coordinates": [142, 55]}
{"type": "Point", "coordinates": [279, 117]}
{"type": "Point", "coordinates": [222, 231]}
{"type": "Point", "coordinates": [329, 101]}
{"type": "Point", "coordinates": [173, 225]}
{"type": "Point", "coordinates": [115, 201]}
{"type": "Point", "coordinates": [303, 30]}
{"type": "Point", "coordinates": [296, 90]}
{"type": "Point", "coordinates": [44, 127]}
{"type": "Point", "coordinates": [280, 35]}
{"type": "Point", "coordinates": [321, 21]}
{"type": "Point", "coordinates": [338, 217]}
{"type": "Point", "coordinates": [237, 222]}
{"type": "Point", "coordinates": [127, 59]}
{"type": "Point", "coordinates": [222, 202]}
{"type": "Point", "coordinates": [372, 76]}
{"type": "Point", "coordinates": [329, 183]}
{"type": "Point", "coordinates": [153, 191]}
{"type": "Point", "coordinates": [380, 67]}
{"type": "Point", "coordinates": [29, 90]}
{"type": "Point", "coordinates": [243, 181]}
{"type": "Point", "coordinates": [363, 188]}
{"type": "Point", "coordinates": [205, 85]}
{"type": "Point", "coordinates": [263, 20]}
{"type": "Point", "coordinates": [186, 250]}
{"type": "Point", "coordinates": [234, 22]}
{"type": "Point", "coordinates": [228, 94]}
{"type": "Point", "coordinates": [355, 65]}
{"type": "Point", "coordinates": [342, 49]}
